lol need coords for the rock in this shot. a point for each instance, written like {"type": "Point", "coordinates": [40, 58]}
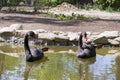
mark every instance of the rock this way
{"type": "Point", "coordinates": [5, 9]}
{"type": "Point", "coordinates": [63, 8]}
{"type": "Point", "coordinates": [41, 31]}
{"type": "Point", "coordinates": [73, 36]}
{"type": "Point", "coordinates": [119, 33]}
{"type": "Point", "coordinates": [61, 37]}
{"type": "Point", "coordinates": [21, 33]}
{"type": "Point", "coordinates": [10, 31]}
{"type": "Point", "coordinates": [109, 34]}
{"type": "Point", "coordinates": [89, 34]}
{"type": "Point", "coordinates": [117, 39]}
{"type": "Point", "coordinates": [117, 54]}
{"type": "Point", "coordinates": [95, 33]}
{"type": "Point", "coordinates": [101, 40]}
{"type": "Point", "coordinates": [2, 39]}
{"type": "Point", "coordinates": [112, 51]}
{"type": "Point", "coordinates": [21, 3]}
{"type": "Point", "coordinates": [14, 39]}
{"type": "Point", "coordinates": [59, 32]}
{"type": "Point", "coordinates": [113, 42]}
{"type": "Point", "coordinates": [70, 51]}
{"type": "Point", "coordinates": [14, 27]}
{"type": "Point", "coordinates": [14, 33]}
{"type": "Point", "coordinates": [2, 33]}
{"type": "Point", "coordinates": [90, 37]}
{"type": "Point", "coordinates": [47, 36]}
{"type": "Point", "coordinates": [4, 29]}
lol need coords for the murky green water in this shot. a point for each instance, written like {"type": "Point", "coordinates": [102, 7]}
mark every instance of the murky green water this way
{"type": "Point", "coordinates": [56, 66]}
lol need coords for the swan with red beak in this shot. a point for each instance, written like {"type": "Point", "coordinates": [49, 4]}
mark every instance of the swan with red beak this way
{"type": "Point", "coordinates": [85, 50]}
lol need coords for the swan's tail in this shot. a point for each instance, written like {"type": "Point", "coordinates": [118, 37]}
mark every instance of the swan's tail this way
{"type": "Point", "coordinates": [99, 46]}
{"type": "Point", "coordinates": [45, 49]}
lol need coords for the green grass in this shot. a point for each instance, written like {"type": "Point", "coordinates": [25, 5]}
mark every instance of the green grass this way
{"type": "Point", "coordinates": [72, 17]}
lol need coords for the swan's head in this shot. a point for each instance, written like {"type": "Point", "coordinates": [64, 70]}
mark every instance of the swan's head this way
{"type": "Point", "coordinates": [32, 35]}
{"type": "Point", "coordinates": [84, 36]}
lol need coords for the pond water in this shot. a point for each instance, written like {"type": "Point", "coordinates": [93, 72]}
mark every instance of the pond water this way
{"type": "Point", "coordinates": [56, 66]}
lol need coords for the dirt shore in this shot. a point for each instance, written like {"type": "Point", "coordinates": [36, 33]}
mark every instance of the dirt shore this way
{"type": "Point", "coordinates": [40, 21]}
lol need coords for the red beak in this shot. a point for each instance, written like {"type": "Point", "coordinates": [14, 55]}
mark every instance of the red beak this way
{"type": "Point", "coordinates": [85, 37]}
{"type": "Point", "coordinates": [35, 36]}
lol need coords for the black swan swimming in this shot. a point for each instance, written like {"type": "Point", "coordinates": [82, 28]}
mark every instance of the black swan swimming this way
{"type": "Point", "coordinates": [34, 53]}
{"type": "Point", "coordinates": [86, 50]}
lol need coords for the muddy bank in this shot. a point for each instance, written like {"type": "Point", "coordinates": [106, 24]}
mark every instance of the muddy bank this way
{"type": "Point", "coordinates": [38, 21]}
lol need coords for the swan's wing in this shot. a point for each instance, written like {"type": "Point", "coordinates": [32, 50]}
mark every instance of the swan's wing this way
{"type": "Point", "coordinates": [36, 52]}
{"type": "Point", "coordinates": [88, 46]}
{"type": "Point", "coordinates": [87, 50]}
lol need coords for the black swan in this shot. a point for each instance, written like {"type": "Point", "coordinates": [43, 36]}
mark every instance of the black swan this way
{"type": "Point", "coordinates": [86, 50]}
{"type": "Point", "coordinates": [34, 53]}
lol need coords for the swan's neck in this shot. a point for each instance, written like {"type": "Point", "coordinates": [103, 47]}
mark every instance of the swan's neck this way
{"type": "Point", "coordinates": [26, 45]}
{"type": "Point", "coordinates": [80, 43]}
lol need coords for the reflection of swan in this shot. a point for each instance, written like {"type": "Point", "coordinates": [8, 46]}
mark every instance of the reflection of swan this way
{"type": "Point", "coordinates": [31, 65]}
{"type": "Point", "coordinates": [85, 50]}
{"type": "Point", "coordinates": [84, 67]}
{"type": "Point", "coordinates": [86, 61]}
{"type": "Point", "coordinates": [34, 53]}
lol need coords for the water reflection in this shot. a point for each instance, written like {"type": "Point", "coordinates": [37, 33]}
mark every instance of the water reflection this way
{"type": "Point", "coordinates": [99, 68]}
{"type": "Point", "coordinates": [56, 66]}
{"type": "Point", "coordinates": [103, 68]}
{"type": "Point", "coordinates": [117, 68]}
{"type": "Point", "coordinates": [84, 67]}
{"type": "Point", "coordinates": [7, 64]}
{"type": "Point", "coordinates": [32, 65]}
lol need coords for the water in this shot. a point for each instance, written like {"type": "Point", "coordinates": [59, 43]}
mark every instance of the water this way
{"type": "Point", "coordinates": [57, 66]}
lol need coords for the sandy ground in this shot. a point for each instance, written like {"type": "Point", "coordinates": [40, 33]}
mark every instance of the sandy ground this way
{"type": "Point", "coordinates": [39, 21]}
